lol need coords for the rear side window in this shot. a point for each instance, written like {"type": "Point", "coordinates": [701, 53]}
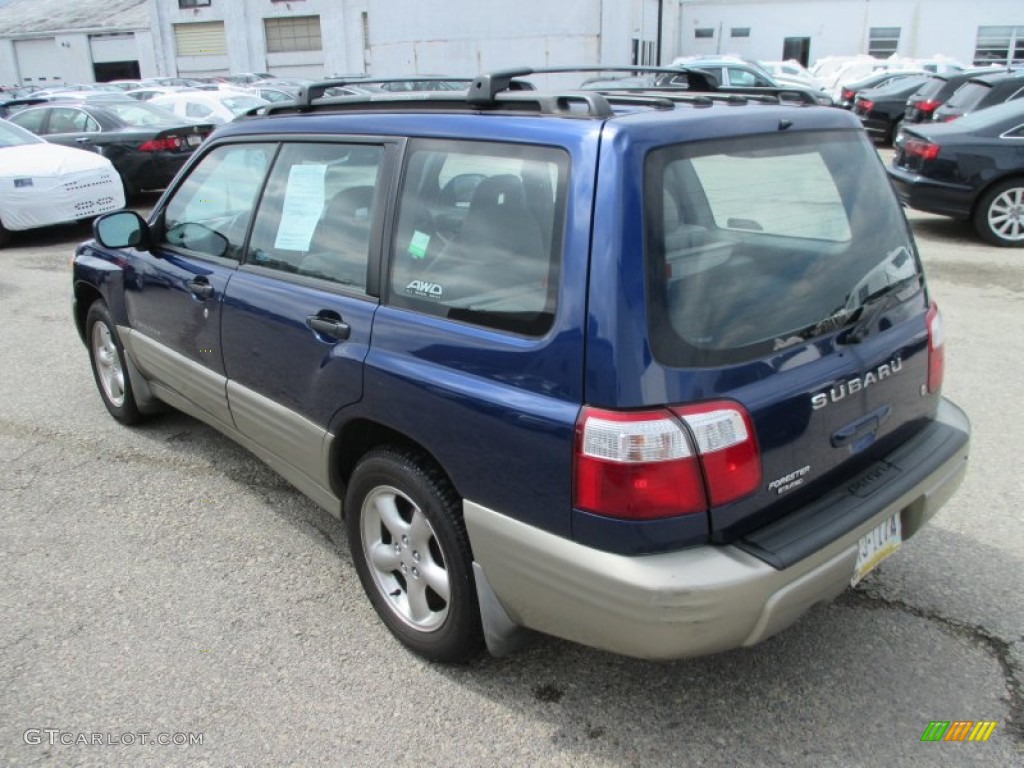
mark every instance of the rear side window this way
{"type": "Point", "coordinates": [757, 243]}
{"type": "Point", "coordinates": [478, 238]}
{"type": "Point", "coordinates": [316, 213]}
{"type": "Point", "coordinates": [968, 96]}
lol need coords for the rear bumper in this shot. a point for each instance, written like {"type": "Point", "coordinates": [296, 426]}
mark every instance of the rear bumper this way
{"type": "Point", "coordinates": [701, 600]}
{"type": "Point", "coordinates": [924, 194]}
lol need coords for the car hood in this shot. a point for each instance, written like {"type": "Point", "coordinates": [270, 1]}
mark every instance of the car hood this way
{"type": "Point", "coordinates": [47, 161]}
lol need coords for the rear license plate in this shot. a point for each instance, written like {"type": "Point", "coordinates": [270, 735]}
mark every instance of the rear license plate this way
{"type": "Point", "coordinates": [194, 140]}
{"type": "Point", "coordinates": [876, 545]}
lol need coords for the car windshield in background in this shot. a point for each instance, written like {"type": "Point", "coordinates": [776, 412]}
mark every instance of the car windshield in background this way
{"type": "Point", "coordinates": [968, 97]}
{"type": "Point", "coordinates": [756, 243]}
{"type": "Point", "coordinates": [12, 135]}
{"type": "Point", "coordinates": [141, 115]}
{"type": "Point", "coordinates": [240, 104]}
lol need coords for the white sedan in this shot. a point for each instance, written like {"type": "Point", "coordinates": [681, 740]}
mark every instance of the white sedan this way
{"type": "Point", "coordinates": [43, 184]}
{"type": "Point", "coordinates": [216, 107]}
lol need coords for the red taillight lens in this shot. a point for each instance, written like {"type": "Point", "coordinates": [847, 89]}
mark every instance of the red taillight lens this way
{"type": "Point", "coordinates": [936, 347]}
{"type": "Point", "coordinates": [643, 465]}
{"type": "Point", "coordinates": [168, 143]}
{"type": "Point", "coordinates": [728, 452]}
{"type": "Point", "coordinates": [846, 95]}
{"type": "Point", "coordinates": [922, 149]}
{"type": "Point", "coordinates": [865, 105]}
{"type": "Point", "coordinates": [927, 106]}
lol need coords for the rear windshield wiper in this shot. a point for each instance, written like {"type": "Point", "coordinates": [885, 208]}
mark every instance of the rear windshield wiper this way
{"type": "Point", "coordinates": [872, 306]}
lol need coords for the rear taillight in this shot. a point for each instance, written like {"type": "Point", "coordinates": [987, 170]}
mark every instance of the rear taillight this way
{"type": "Point", "coordinates": [924, 150]}
{"type": "Point", "coordinates": [927, 106]}
{"type": "Point", "coordinates": [936, 347]}
{"type": "Point", "coordinates": [865, 105]}
{"type": "Point", "coordinates": [846, 94]}
{"type": "Point", "coordinates": [166, 144]}
{"type": "Point", "coordinates": [645, 465]}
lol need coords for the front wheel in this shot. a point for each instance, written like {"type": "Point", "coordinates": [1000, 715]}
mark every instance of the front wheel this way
{"type": "Point", "coordinates": [999, 217]}
{"type": "Point", "coordinates": [108, 365]}
{"type": "Point", "coordinates": [411, 551]}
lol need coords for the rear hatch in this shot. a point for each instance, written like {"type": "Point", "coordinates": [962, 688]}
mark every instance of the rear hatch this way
{"type": "Point", "coordinates": [782, 281]}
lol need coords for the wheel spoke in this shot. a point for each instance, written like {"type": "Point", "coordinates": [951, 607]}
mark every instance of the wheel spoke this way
{"type": "Point", "coordinates": [387, 510]}
{"type": "Point", "coordinates": [384, 557]}
{"type": "Point", "coordinates": [436, 578]}
{"type": "Point", "coordinates": [419, 610]}
{"type": "Point", "coordinates": [420, 532]}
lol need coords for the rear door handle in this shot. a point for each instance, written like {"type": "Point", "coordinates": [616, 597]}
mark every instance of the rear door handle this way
{"type": "Point", "coordinates": [332, 328]}
{"type": "Point", "coordinates": [200, 288]}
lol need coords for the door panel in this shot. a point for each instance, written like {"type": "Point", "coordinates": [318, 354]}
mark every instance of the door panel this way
{"type": "Point", "coordinates": [297, 317]}
{"type": "Point", "coordinates": [174, 293]}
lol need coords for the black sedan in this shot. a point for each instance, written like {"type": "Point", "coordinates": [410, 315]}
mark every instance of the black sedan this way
{"type": "Point", "coordinates": [147, 145]}
{"type": "Point", "coordinates": [970, 169]}
{"type": "Point", "coordinates": [881, 109]}
{"type": "Point", "coordinates": [935, 92]}
{"type": "Point", "coordinates": [981, 92]}
{"type": "Point", "coordinates": [848, 91]}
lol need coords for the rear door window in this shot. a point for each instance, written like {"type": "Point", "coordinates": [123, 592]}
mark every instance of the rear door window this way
{"type": "Point", "coordinates": [478, 238]}
{"type": "Point", "coordinates": [757, 243]}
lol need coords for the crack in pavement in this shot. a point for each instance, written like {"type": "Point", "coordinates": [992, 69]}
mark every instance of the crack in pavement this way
{"type": "Point", "coordinates": [1001, 650]}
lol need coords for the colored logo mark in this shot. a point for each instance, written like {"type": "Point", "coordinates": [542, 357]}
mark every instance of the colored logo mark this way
{"type": "Point", "coordinates": [958, 730]}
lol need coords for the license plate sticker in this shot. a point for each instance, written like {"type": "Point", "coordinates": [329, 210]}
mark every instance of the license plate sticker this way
{"type": "Point", "coordinates": [194, 140]}
{"type": "Point", "coordinates": [876, 545]}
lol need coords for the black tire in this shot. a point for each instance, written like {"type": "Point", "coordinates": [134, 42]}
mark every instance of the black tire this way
{"type": "Point", "coordinates": [894, 131]}
{"type": "Point", "coordinates": [999, 217]}
{"type": "Point", "coordinates": [401, 507]}
{"type": "Point", "coordinates": [106, 354]}
{"type": "Point", "coordinates": [5, 236]}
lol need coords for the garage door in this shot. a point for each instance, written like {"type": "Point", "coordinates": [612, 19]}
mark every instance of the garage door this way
{"type": "Point", "coordinates": [204, 38]}
{"type": "Point", "coordinates": [106, 48]}
{"type": "Point", "coordinates": [37, 61]}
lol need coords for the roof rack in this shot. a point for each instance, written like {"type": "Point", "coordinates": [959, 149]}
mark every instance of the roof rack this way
{"type": "Point", "coordinates": [507, 91]}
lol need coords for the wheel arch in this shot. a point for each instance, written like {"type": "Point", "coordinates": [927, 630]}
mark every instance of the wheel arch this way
{"type": "Point", "coordinates": [85, 294]}
{"type": "Point", "coordinates": [1010, 175]}
{"type": "Point", "coordinates": [357, 437]}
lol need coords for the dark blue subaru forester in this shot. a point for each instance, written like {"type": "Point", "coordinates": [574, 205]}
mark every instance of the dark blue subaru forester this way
{"type": "Point", "coordinates": [649, 369]}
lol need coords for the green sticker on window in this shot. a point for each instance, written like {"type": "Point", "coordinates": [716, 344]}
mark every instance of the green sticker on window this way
{"type": "Point", "coordinates": [418, 244]}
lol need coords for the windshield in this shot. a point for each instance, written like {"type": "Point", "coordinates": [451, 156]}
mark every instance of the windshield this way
{"type": "Point", "coordinates": [968, 96]}
{"type": "Point", "coordinates": [14, 136]}
{"type": "Point", "coordinates": [757, 243]}
{"type": "Point", "coordinates": [239, 104]}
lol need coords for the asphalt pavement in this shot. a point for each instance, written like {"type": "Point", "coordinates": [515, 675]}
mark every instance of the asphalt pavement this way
{"type": "Point", "coordinates": [168, 600]}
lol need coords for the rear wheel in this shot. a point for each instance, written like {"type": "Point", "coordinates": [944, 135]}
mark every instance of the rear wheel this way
{"type": "Point", "coordinates": [5, 236]}
{"type": "Point", "coordinates": [411, 551]}
{"type": "Point", "coordinates": [108, 365]}
{"type": "Point", "coordinates": [999, 217]}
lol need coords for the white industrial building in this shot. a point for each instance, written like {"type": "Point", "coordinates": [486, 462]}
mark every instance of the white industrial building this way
{"type": "Point", "coordinates": [46, 42]}
{"type": "Point", "coordinates": [76, 40]}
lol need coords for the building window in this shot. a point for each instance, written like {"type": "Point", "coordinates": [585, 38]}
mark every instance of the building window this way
{"type": "Point", "coordinates": [739, 32]}
{"type": "Point", "coordinates": [204, 38]}
{"type": "Point", "coordinates": [295, 33]}
{"type": "Point", "coordinates": [703, 32]}
{"type": "Point", "coordinates": [883, 42]}
{"type": "Point", "coordinates": [643, 52]}
{"type": "Point", "coordinates": [999, 45]}
{"type": "Point", "coordinates": [192, 3]}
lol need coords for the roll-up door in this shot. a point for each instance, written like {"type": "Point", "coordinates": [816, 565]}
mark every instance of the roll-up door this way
{"type": "Point", "coordinates": [203, 38]}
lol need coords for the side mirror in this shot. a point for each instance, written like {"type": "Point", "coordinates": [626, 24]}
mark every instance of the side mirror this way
{"type": "Point", "coordinates": [122, 229]}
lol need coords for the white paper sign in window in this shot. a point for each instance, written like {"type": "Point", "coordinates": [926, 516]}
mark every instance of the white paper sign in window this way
{"type": "Point", "coordinates": [303, 204]}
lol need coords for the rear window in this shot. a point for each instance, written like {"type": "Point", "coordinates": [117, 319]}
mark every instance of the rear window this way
{"type": "Point", "coordinates": [757, 243]}
{"type": "Point", "coordinates": [968, 96]}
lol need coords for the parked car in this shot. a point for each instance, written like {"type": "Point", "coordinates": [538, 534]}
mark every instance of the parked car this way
{"type": "Point", "coordinates": [43, 184]}
{"type": "Point", "coordinates": [216, 107]}
{"type": "Point", "coordinates": [935, 91]}
{"type": "Point", "coordinates": [732, 71]}
{"type": "Point", "coordinates": [981, 92]}
{"type": "Point", "coordinates": [881, 109]}
{"type": "Point", "coordinates": [969, 169]}
{"type": "Point", "coordinates": [793, 71]}
{"type": "Point", "coordinates": [147, 145]}
{"type": "Point", "coordinates": [148, 93]}
{"type": "Point", "coordinates": [661, 410]}
{"type": "Point", "coordinates": [848, 91]}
